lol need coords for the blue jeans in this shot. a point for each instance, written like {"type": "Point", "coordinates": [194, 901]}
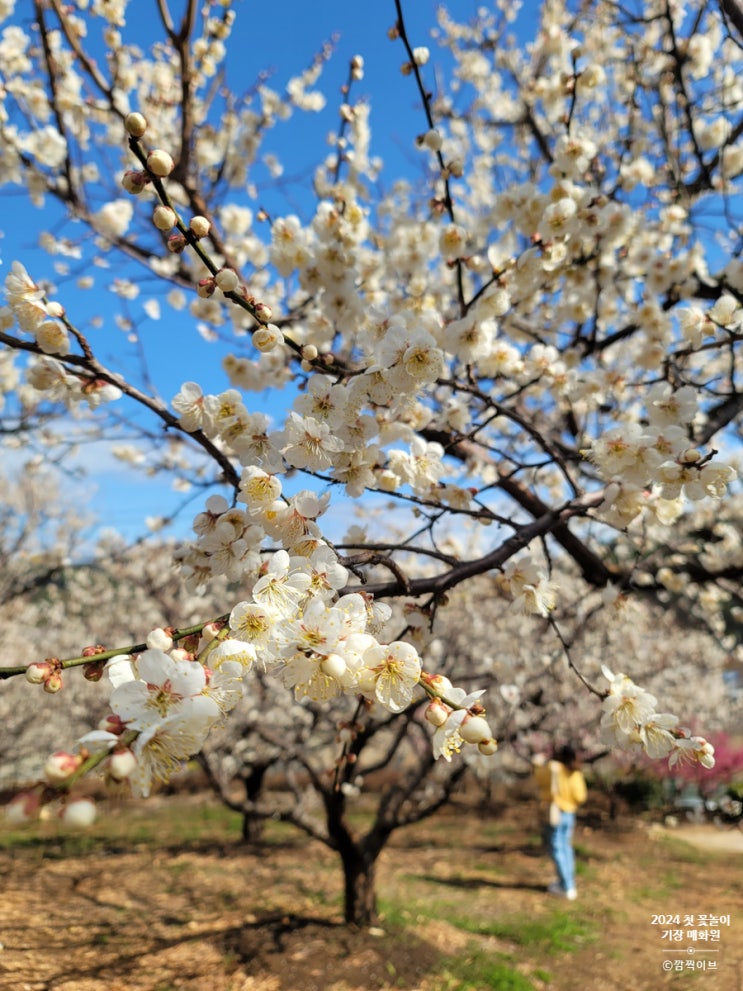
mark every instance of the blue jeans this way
{"type": "Point", "coordinates": [560, 840]}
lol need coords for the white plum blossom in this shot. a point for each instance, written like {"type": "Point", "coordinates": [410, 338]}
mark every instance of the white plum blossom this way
{"type": "Point", "coordinates": [391, 674]}
{"type": "Point", "coordinates": [283, 586]}
{"type": "Point", "coordinates": [307, 443]}
{"type": "Point", "coordinates": [531, 589]}
{"type": "Point", "coordinates": [25, 298]}
{"type": "Point", "coordinates": [189, 402]}
{"type": "Point", "coordinates": [162, 686]}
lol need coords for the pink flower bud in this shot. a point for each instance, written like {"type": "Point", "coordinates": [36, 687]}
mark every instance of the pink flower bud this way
{"type": "Point", "coordinates": [136, 124]}
{"type": "Point", "coordinates": [92, 650]}
{"type": "Point", "coordinates": [53, 683]}
{"type": "Point", "coordinates": [263, 312]}
{"type": "Point", "coordinates": [94, 670]}
{"type": "Point", "coordinates": [205, 288]}
{"type": "Point", "coordinates": [160, 163]}
{"type": "Point", "coordinates": [199, 226]}
{"type": "Point", "coordinates": [134, 181]}
{"type": "Point", "coordinates": [112, 723]}
{"type": "Point", "coordinates": [78, 813]}
{"type": "Point", "coordinates": [60, 766]}
{"type": "Point", "coordinates": [177, 243]}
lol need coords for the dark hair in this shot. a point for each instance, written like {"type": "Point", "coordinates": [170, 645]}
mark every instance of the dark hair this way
{"type": "Point", "coordinates": [566, 755]}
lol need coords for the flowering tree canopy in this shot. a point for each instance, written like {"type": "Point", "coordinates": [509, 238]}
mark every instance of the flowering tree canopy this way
{"type": "Point", "coordinates": [522, 359]}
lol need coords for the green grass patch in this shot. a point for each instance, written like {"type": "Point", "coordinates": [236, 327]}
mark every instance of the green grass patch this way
{"type": "Point", "coordinates": [559, 932]}
{"type": "Point", "coordinates": [475, 970]}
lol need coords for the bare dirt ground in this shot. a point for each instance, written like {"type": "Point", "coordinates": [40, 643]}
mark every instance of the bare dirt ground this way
{"type": "Point", "coordinates": [215, 916]}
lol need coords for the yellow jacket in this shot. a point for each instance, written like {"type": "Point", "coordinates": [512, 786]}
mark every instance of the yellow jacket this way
{"type": "Point", "coordinates": [571, 786]}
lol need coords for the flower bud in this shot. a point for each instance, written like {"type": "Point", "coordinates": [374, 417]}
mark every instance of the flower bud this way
{"type": "Point", "coordinates": [92, 649]}
{"type": "Point", "coordinates": [205, 288]}
{"type": "Point", "coordinates": [210, 631]}
{"type": "Point", "coordinates": [263, 312]}
{"type": "Point", "coordinates": [38, 672]}
{"type": "Point", "coordinates": [134, 181]}
{"type": "Point", "coordinates": [164, 217]}
{"type": "Point", "coordinates": [227, 279]}
{"type": "Point", "coordinates": [334, 666]}
{"type": "Point", "coordinates": [265, 339]}
{"type": "Point", "coordinates": [440, 683]}
{"type": "Point", "coordinates": [488, 747]}
{"type": "Point", "coordinates": [60, 766]}
{"type": "Point", "coordinates": [159, 639]}
{"type": "Point", "coordinates": [135, 124]}
{"type": "Point", "coordinates": [79, 813]}
{"type": "Point", "coordinates": [112, 723]}
{"type": "Point", "coordinates": [53, 683]}
{"type": "Point", "coordinates": [121, 764]}
{"type": "Point", "coordinates": [94, 670]}
{"type": "Point", "coordinates": [160, 163]}
{"type": "Point", "coordinates": [23, 808]}
{"type": "Point", "coordinates": [474, 729]}
{"type": "Point", "coordinates": [432, 140]}
{"type": "Point", "coordinates": [309, 352]}
{"type": "Point", "coordinates": [437, 713]}
{"type": "Point", "coordinates": [177, 243]}
{"type": "Point", "coordinates": [199, 226]}
{"type": "Point", "coordinates": [55, 308]}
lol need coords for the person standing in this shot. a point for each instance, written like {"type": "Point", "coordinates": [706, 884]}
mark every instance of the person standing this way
{"type": "Point", "coordinates": [562, 788]}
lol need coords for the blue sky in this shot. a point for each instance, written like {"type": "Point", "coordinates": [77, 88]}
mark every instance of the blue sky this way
{"type": "Point", "coordinates": [284, 38]}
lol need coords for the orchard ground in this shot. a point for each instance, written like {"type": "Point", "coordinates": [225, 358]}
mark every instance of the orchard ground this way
{"type": "Point", "coordinates": [162, 895]}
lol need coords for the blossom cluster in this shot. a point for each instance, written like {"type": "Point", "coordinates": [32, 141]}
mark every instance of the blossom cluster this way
{"type": "Point", "coordinates": [165, 700]}
{"type": "Point", "coordinates": [630, 721]}
{"type": "Point", "coordinates": [657, 456]}
{"type": "Point", "coordinates": [42, 319]}
{"type": "Point", "coordinates": [525, 341]}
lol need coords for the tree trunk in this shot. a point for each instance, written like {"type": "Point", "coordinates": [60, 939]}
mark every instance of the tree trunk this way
{"type": "Point", "coordinates": [359, 886]}
{"type": "Point", "coordinates": [252, 829]}
{"type": "Point", "coordinates": [252, 825]}
{"type": "Point", "coordinates": [359, 858]}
